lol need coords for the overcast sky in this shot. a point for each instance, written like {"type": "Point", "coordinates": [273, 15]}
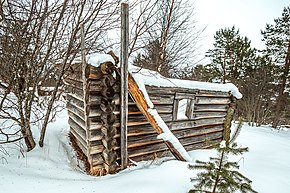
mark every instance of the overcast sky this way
{"type": "Point", "coordinates": [250, 16]}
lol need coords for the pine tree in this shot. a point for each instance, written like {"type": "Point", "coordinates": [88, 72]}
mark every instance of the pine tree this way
{"type": "Point", "coordinates": [277, 40]}
{"type": "Point", "coordinates": [234, 60]}
{"type": "Point", "coordinates": [220, 175]}
{"type": "Point", "coordinates": [231, 55]}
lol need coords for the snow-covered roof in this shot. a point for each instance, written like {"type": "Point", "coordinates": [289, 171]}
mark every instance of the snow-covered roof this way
{"type": "Point", "coordinates": [152, 78]}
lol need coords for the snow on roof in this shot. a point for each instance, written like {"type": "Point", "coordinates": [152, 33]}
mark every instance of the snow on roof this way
{"type": "Point", "coordinates": [152, 78]}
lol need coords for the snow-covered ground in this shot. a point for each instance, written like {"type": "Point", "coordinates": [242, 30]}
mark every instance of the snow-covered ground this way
{"type": "Point", "coordinates": [52, 169]}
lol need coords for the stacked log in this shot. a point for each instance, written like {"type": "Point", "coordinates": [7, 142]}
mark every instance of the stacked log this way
{"type": "Point", "coordinates": [91, 116]}
{"type": "Point", "coordinates": [108, 118]}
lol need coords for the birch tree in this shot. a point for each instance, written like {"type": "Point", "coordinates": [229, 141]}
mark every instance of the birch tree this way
{"type": "Point", "coordinates": [40, 37]}
{"type": "Point", "coordinates": [169, 39]}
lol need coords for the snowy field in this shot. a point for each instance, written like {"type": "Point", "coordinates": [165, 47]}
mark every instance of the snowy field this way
{"type": "Point", "coordinates": [52, 169]}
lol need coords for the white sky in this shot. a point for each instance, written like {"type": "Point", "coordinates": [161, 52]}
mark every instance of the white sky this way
{"type": "Point", "coordinates": [250, 16]}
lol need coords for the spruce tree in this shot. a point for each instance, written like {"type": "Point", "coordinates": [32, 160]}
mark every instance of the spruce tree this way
{"type": "Point", "coordinates": [219, 175]}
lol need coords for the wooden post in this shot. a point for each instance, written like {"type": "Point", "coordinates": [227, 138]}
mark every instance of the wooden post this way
{"type": "Point", "coordinates": [124, 82]}
{"type": "Point", "coordinates": [175, 109]}
{"type": "Point", "coordinates": [85, 76]}
{"type": "Point", "coordinates": [228, 120]}
{"type": "Point", "coordinates": [190, 108]}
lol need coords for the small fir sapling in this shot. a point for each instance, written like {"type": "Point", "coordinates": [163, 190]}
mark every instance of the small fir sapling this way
{"type": "Point", "coordinates": [219, 174]}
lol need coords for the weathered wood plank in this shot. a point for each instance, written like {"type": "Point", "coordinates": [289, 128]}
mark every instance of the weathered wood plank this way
{"type": "Point", "coordinates": [145, 156]}
{"type": "Point", "coordinates": [175, 109]}
{"type": "Point", "coordinates": [208, 137]}
{"type": "Point", "coordinates": [95, 111]}
{"type": "Point", "coordinates": [212, 100]}
{"type": "Point", "coordinates": [141, 118]}
{"type": "Point", "coordinates": [190, 108]}
{"type": "Point", "coordinates": [197, 92]}
{"type": "Point", "coordinates": [79, 120]}
{"type": "Point", "coordinates": [79, 131]}
{"type": "Point", "coordinates": [94, 100]}
{"type": "Point", "coordinates": [212, 93]}
{"type": "Point", "coordinates": [209, 113]}
{"type": "Point", "coordinates": [151, 156]}
{"type": "Point", "coordinates": [160, 108]}
{"type": "Point", "coordinates": [150, 148]}
{"type": "Point", "coordinates": [96, 143]}
{"type": "Point", "coordinates": [204, 110]}
{"type": "Point", "coordinates": [203, 144]}
{"type": "Point", "coordinates": [75, 99]}
{"type": "Point", "coordinates": [141, 140]}
{"type": "Point", "coordinates": [97, 159]}
{"type": "Point", "coordinates": [79, 140]}
{"type": "Point", "coordinates": [77, 111]}
{"type": "Point", "coordinates": [145, 150]}
{"type": "Point", "coordinates": [179, 133]}
{"type": "Point", "coordinates": [161, 99]}
{"type": "Point", "coordinates": [148, 129]}
{"type": "Point", "coordinates": [142, 105]}
{"type": "Point", "coordinates": [76, 93]}
{"type": "Point", "coordinates": [169, 90]}
{"type": "Point", "coordinates": [197, 122]}
{"type": "Point", "coordinates": [136, 119]}
{"type": "Point", "coordinates": [95, 119]}
{"type": "Point", "coordinates": [185, 123]}
{"type": "Point", "coordinates": [75, 103]}
{"type": "Point", "coordinates": [179, 96]}
{"type": "Point", "coordinates": [95, 125]}
{"type": "Point", "coordinates": [96, 135]}
{"type": "Point", "coordinates": [96, 149]}
{"type": "Point", "coordinates": [206, 107]}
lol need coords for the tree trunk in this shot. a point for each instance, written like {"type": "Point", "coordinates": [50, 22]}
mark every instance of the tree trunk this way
{"type": "Point", "coordinates": [217, 179]}
{"type": "Point", "coordinates": [27, 135]}
{"type": "Point", "coordinates": [280, 97]}
{"type": "Point", "coordinates": [49, 110]}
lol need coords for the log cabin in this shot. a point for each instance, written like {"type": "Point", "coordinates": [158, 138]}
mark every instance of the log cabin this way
{"type": "Point", "coordinates": [188, 115]}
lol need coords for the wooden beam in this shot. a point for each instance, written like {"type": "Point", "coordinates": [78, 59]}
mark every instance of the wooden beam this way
{"type": "Point", "coordinates": [143, 106]}
{"type": "Point", "coordinates": [124, 82]}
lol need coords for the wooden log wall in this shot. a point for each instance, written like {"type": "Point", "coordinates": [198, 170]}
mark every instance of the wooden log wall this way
{"type": "Point", "coordinates": [98, 141]}
{"type": "Point", "coordinates": [203, 127]}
